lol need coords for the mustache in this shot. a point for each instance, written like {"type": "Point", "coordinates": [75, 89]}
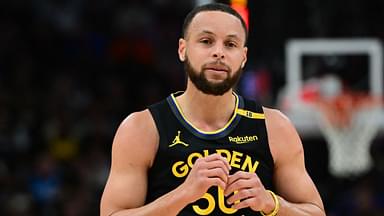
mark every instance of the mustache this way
{"type": "Point", "coordinates": [216, 65]}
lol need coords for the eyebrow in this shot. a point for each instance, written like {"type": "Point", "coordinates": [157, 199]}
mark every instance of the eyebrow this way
{"type": "Point", "coordinates": [234, 36]}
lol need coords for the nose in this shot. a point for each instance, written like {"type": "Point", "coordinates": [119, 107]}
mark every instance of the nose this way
{"type": "Point", "coordinates": [218, 52]}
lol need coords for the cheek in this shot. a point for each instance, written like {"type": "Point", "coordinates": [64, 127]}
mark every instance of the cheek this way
{"type": "Point", "coordinates": [236, 61]}
{"type": "Point", "coordinates": [196, 59]}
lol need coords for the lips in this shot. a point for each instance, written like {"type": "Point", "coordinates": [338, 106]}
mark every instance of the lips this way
{"type": "Point", "coordinates": [217, 67]}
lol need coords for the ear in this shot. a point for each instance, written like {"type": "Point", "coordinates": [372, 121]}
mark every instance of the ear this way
{"type": "Point", "coordinates": [245, 57]}
{"type": "Point", "coordinates": [181, 50]}
{"type": "Point", "coordinates": [243, 64]}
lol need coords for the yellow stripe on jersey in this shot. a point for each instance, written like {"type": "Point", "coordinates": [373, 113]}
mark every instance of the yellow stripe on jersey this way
{"type": "Point", "coordinates": [250, 114]}
{"type": "Point", "coordinates": [208, 132]}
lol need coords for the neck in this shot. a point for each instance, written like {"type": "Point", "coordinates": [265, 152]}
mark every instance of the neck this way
{"type": "Point", "coordinates": [207, 112]}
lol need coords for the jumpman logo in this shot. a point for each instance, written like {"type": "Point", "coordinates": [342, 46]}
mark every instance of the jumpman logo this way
{"type": "Point", "coordinates": [178, 141]}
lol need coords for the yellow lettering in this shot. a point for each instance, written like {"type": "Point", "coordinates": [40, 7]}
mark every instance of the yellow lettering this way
{"type": "Point", "coordinates": [176, 168]}
{"type": "Point", "coordinates": [248, 163]}
{"type": "Point", "coordinates": [206, 152]}
{"type": "Point", "coordinates": [209, 209]}
{"type": "Point", "coordinates": [222, 205]}
{"type": "Point", "coordinates": [235, 159]}
{"type": "Point", "coordinates": [191, 156]}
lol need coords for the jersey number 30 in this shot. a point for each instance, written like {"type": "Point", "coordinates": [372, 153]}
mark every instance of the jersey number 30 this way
{"type": "Point", "coordinates": [212, 203]}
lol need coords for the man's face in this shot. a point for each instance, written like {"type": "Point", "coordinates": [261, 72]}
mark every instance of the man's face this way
{"type": "Point", "coordinates": [213, 51]}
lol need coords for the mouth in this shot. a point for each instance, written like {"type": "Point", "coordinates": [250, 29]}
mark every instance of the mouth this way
{"type": "Point", "coordinates": [217, 68]}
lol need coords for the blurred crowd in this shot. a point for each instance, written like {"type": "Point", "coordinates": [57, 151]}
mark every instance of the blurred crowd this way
{"type": "Point", "coordinates": [72, 70]}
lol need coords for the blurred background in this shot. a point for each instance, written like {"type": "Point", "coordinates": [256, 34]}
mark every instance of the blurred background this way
{"type": "Point", "coordinates": [72, 70]}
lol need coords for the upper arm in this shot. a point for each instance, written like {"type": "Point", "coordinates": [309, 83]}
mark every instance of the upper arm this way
{"type": "Point", "coordinates": [291, 179]}
{"type": "Point", "coordinates": [133, 150]}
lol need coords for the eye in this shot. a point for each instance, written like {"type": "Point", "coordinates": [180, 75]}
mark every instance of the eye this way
{"type": "Point", "coordinates": [231, 44]}
{"type": "Point", "coordinates": [206, 41]}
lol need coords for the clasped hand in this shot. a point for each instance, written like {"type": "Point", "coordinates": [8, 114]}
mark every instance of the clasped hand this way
{"type": "Point", "coordinates": [242, 189]}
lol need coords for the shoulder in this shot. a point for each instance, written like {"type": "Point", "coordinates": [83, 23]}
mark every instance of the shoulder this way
{"type": "Point", "coordinates": [137, 135]}
{"type": "Point", "coordinates": [284, 141]}
{"type": "Point", "coordinates": [137, 119]}
{"type": "Point", "coordinates": [137, 123]}
{"type": "Point", "coordinates": [276, 120]}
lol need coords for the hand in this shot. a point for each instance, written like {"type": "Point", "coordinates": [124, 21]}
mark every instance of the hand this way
{"type": "Point", "coordinates": [250, 192]}
{"type": "Point", "coordinates": [212, 170]}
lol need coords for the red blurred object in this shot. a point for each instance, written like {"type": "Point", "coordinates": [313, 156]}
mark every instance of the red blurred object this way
{"type": "Point", "coordinates": [242, 8]}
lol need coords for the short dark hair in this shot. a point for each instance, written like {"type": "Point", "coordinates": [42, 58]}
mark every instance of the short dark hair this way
{"type": "Point", "coordinates": [213, 7]}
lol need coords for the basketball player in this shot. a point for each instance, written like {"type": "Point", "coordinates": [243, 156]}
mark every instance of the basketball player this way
{"type": "Point", "coordinates": [207, 150]}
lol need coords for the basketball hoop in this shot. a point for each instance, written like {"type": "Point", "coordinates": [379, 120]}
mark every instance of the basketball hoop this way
{"type": "Point", "coordinates": [349, 123]}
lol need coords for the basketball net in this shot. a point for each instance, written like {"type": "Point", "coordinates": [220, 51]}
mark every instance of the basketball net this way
{"type": "Point", "coordinates": [349, 123]}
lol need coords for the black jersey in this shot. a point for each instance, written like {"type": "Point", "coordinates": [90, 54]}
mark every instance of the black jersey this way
{"type": "Point", "coordinates": [243, 141]}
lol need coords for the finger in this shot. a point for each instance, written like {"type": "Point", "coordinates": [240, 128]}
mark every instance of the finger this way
{"type": "Point", "coordinates": [216, 182]}
{"type": "Point", "coordinates": [244, 203]}
{"type": "Point", "coordinates": [226, 162]}
{"type": "Point", "coordinates": [241, 195]}
{"type": "Point", "coordinates": [214, 157]}
{"type": "Point", "coordinates": [217, 164]}
{"type": "Point", "coordinates": [217, 172]}
{"type": "Point", "coordinates": [237, 186]}
{"type": "Point", "coordinates": [240, 175]}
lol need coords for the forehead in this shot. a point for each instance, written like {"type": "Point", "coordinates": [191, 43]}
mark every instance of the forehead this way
{"type": "Point", "coordinates": [218, 22]}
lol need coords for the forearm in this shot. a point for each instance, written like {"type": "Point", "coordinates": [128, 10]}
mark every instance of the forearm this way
{"type": "Point", "coordinates": [169, 204]}
{"type": "Point", "coordinates": [299, 209]}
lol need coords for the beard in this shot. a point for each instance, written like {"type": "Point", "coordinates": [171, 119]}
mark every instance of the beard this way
{"type": "Point", "coordinates": [199, 79]}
